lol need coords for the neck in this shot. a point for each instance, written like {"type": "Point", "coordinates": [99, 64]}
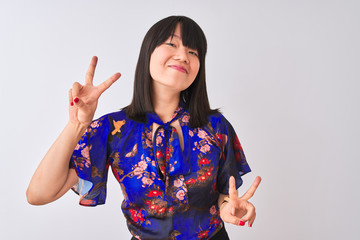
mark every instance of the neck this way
{"type": "Point", "coordinates": [165, 103]}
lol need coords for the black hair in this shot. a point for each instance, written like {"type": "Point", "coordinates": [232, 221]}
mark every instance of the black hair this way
{"type": "Point", "coordinates": [195, 96]}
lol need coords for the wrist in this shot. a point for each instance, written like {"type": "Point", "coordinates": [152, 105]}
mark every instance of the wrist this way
{"type": "Point", "coordinates": [77, 128]}
{"type": "Point", "coordinates": [224, 202]}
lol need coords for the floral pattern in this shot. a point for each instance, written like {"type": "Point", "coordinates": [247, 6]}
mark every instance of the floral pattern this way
{"type": "Point", "coordinates": [163, 182]}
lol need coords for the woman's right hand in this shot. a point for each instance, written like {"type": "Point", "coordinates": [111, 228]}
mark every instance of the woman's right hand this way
{"type": "Point", "coordinates": [83, 99]}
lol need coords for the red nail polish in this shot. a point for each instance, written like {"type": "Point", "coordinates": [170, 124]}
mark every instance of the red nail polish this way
{"type": "Point", "coordinates": [242, 223]}
{"type": "Point", "coordinates": [72, 104]}
{"type": "Point", "coordinates": [76, 100]}
{"type": "Point", "coordinates": [251, 225]}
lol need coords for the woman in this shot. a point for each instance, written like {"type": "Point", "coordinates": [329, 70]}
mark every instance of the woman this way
{"type": "Point", "coordinates": [178, 162]}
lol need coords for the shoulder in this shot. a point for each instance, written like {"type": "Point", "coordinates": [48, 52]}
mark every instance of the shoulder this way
{"type": "Point", "coordinates": [110, 120]}
{"type": "Point", "coordinates": [220, 123]}
{"type": "Point", "coordinates": [217, 119]}
{"type": "Point", "coordinates": [116, 116]}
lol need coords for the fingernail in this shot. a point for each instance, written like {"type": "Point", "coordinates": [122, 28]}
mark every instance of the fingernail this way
{"type": "Point", "coordinates": [251, 225]}
{"type": "Point", "coordinates": [72, 104]}
{"type": "Point", "coordinates": [242, 223]}
{"type": "Point", "coordinates": [76, 100]}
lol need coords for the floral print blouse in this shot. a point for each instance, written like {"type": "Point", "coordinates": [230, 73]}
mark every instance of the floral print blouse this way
{"type": "Point", "coordinates": [170, 189]}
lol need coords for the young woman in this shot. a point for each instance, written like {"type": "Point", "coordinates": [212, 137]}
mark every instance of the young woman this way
{"type": "Point", "coordinates": [178, 162]}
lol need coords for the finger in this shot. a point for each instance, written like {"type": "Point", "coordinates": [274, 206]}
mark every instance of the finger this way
{"type": "Point", "coordinates": [233, 193]}
{"type": "Point", "coordinates": [233, 211]}
{"type": "Point", "coordinates": [249, 193]}
{"type": "Point", "coordinates": [76, 87]}
{"type": "Point", "coordinates": [75, 94]}
{"type": "Point", "coordinates": [250, 213]}
{"type": "Point", "coordinates": [251, 221]}
{"type": "Point", "coordinates": [91, 71]}
{"type": "Point", "coordinates": [232, 219]}
{"type": "Point", "coordinates": [107, 83]}
{"type": "Point", "coordinates": [71, 98]}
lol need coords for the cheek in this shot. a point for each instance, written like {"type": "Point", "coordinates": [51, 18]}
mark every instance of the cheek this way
{"type": "Point", "coordinates": [153, 66]}
{"type": "Point", "coordinates": [196, 68]}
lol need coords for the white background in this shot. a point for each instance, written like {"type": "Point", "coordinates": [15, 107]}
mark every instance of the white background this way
{"type": "Point", "coordinates": [285, 74]}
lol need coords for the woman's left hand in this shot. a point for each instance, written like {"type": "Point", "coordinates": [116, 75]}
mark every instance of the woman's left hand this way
{"type": "Point", "coordinates": [238, 210]}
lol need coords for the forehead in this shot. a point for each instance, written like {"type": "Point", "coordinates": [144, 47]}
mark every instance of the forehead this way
{"type": "Point", "coordinates": [189, 34]}
{"type": "Point", "coordinates": [176, 33]}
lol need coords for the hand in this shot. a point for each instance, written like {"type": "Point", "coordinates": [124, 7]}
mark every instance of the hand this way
{"type": "Point", "coordinates": [237, 210]}
{"type": "Point", "coordinates": [83, 99]}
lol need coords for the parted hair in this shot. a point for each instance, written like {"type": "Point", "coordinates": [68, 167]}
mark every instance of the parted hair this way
{"type": "Point", "coordinates": [195, 96]}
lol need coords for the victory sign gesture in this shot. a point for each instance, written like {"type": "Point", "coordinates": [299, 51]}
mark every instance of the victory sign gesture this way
{"type": "Point", "coordinates": [238, 210]}
{"type": "Point", "coordinates": [83, 99]}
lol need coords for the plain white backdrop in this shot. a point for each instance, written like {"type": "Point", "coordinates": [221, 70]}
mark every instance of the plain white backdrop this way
{"type": "Point", "coordinates": [285, 73]}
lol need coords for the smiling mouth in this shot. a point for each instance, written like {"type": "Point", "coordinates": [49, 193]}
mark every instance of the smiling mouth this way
{"type": "Point", "coordinates": [179, 68]}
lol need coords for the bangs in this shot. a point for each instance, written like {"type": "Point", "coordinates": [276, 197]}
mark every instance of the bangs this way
{"type": "Point", "coordinates": [191, 33]}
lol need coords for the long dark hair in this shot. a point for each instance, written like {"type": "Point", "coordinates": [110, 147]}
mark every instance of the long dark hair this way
{"type": "Point", "coordinates": [195, 96]}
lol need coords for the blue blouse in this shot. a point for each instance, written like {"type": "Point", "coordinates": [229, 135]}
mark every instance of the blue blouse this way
{"type": "Point", "coordinates": [169, 192]}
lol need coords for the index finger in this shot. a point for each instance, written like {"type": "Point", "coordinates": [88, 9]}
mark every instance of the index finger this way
{"type": "Point", "coordinates": [91, 70]}
{"type": "Point", "coordinates": [252, 189]}
{"type": "Point", "coordinates": [233, 193]}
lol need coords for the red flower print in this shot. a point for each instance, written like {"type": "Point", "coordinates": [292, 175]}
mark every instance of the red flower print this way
{"type": "Point", "coordinates": [212, 168]}
{"type": "Point", "coordinates": [159, 154]}
{"type": "Point", "coordinates": [237, 156]}
{"type": "Point", "coordinates": [203, 234]}
{"type": "Point", "coordinates": [236, 143]}
{"type": "Point", "coordinates": [154, 193]}
{"type": "Point", "coordinates": [190, 181]}
{"type": "Point", "coordinates": [202, 178]}
{"type": "Point", "coordinates": [161, 210]}
{"type": "Point", "coordinates": [218, 136]}
{"type": "Point", "coordinates": [208, 173]}
{"type": "Point", "coordinates": [215, 221]}
{"type": "Point", "coordinates": [170, 209]}
{"type": "Point", "coordinates": [154, 207]}
{"type": "Point", "coordinates": [174, 130]}
{"type": "Point", "coordinates": [136, 216]}
{"type": "Point", "coordinates": [168, 153]}
{"type": "Point", "coordinates": [213, 210]}
{"type": "Point", "coordinates": [204, 161]}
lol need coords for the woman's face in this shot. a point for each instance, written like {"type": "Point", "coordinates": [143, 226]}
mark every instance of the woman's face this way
{"type": "Point", "coordinates": [172, 65]}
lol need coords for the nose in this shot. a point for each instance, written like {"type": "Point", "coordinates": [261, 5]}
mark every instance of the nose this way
{"type": "Point", "coordinates": [182, 55]}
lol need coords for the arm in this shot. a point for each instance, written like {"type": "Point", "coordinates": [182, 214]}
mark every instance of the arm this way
{"type": "Point", "coordinates": [53, 178]}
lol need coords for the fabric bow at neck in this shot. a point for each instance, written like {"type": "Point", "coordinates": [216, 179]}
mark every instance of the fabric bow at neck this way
{"type": "Point", "coordinates": [167, 149]}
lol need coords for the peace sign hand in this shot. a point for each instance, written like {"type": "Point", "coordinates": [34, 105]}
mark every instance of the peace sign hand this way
{"type": "Point", "coordinates": [237, 210]}
{"type": "Point", "coordinates": [83, 99]}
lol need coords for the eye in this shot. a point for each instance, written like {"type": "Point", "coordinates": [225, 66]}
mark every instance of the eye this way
{"type": "Point", "coordinates": [171, 44]}
{"type": "Point", "coordinates": [194, 53]}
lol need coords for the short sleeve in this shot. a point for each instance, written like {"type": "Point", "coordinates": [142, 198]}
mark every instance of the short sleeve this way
{"type": "Point", "coordinates": [90, 161]}
{"type": "Point", "coordinates": [232, 161]}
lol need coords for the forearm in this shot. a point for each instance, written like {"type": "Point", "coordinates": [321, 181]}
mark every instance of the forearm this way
{"type": "Point", "coordinates": [52, 172]}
